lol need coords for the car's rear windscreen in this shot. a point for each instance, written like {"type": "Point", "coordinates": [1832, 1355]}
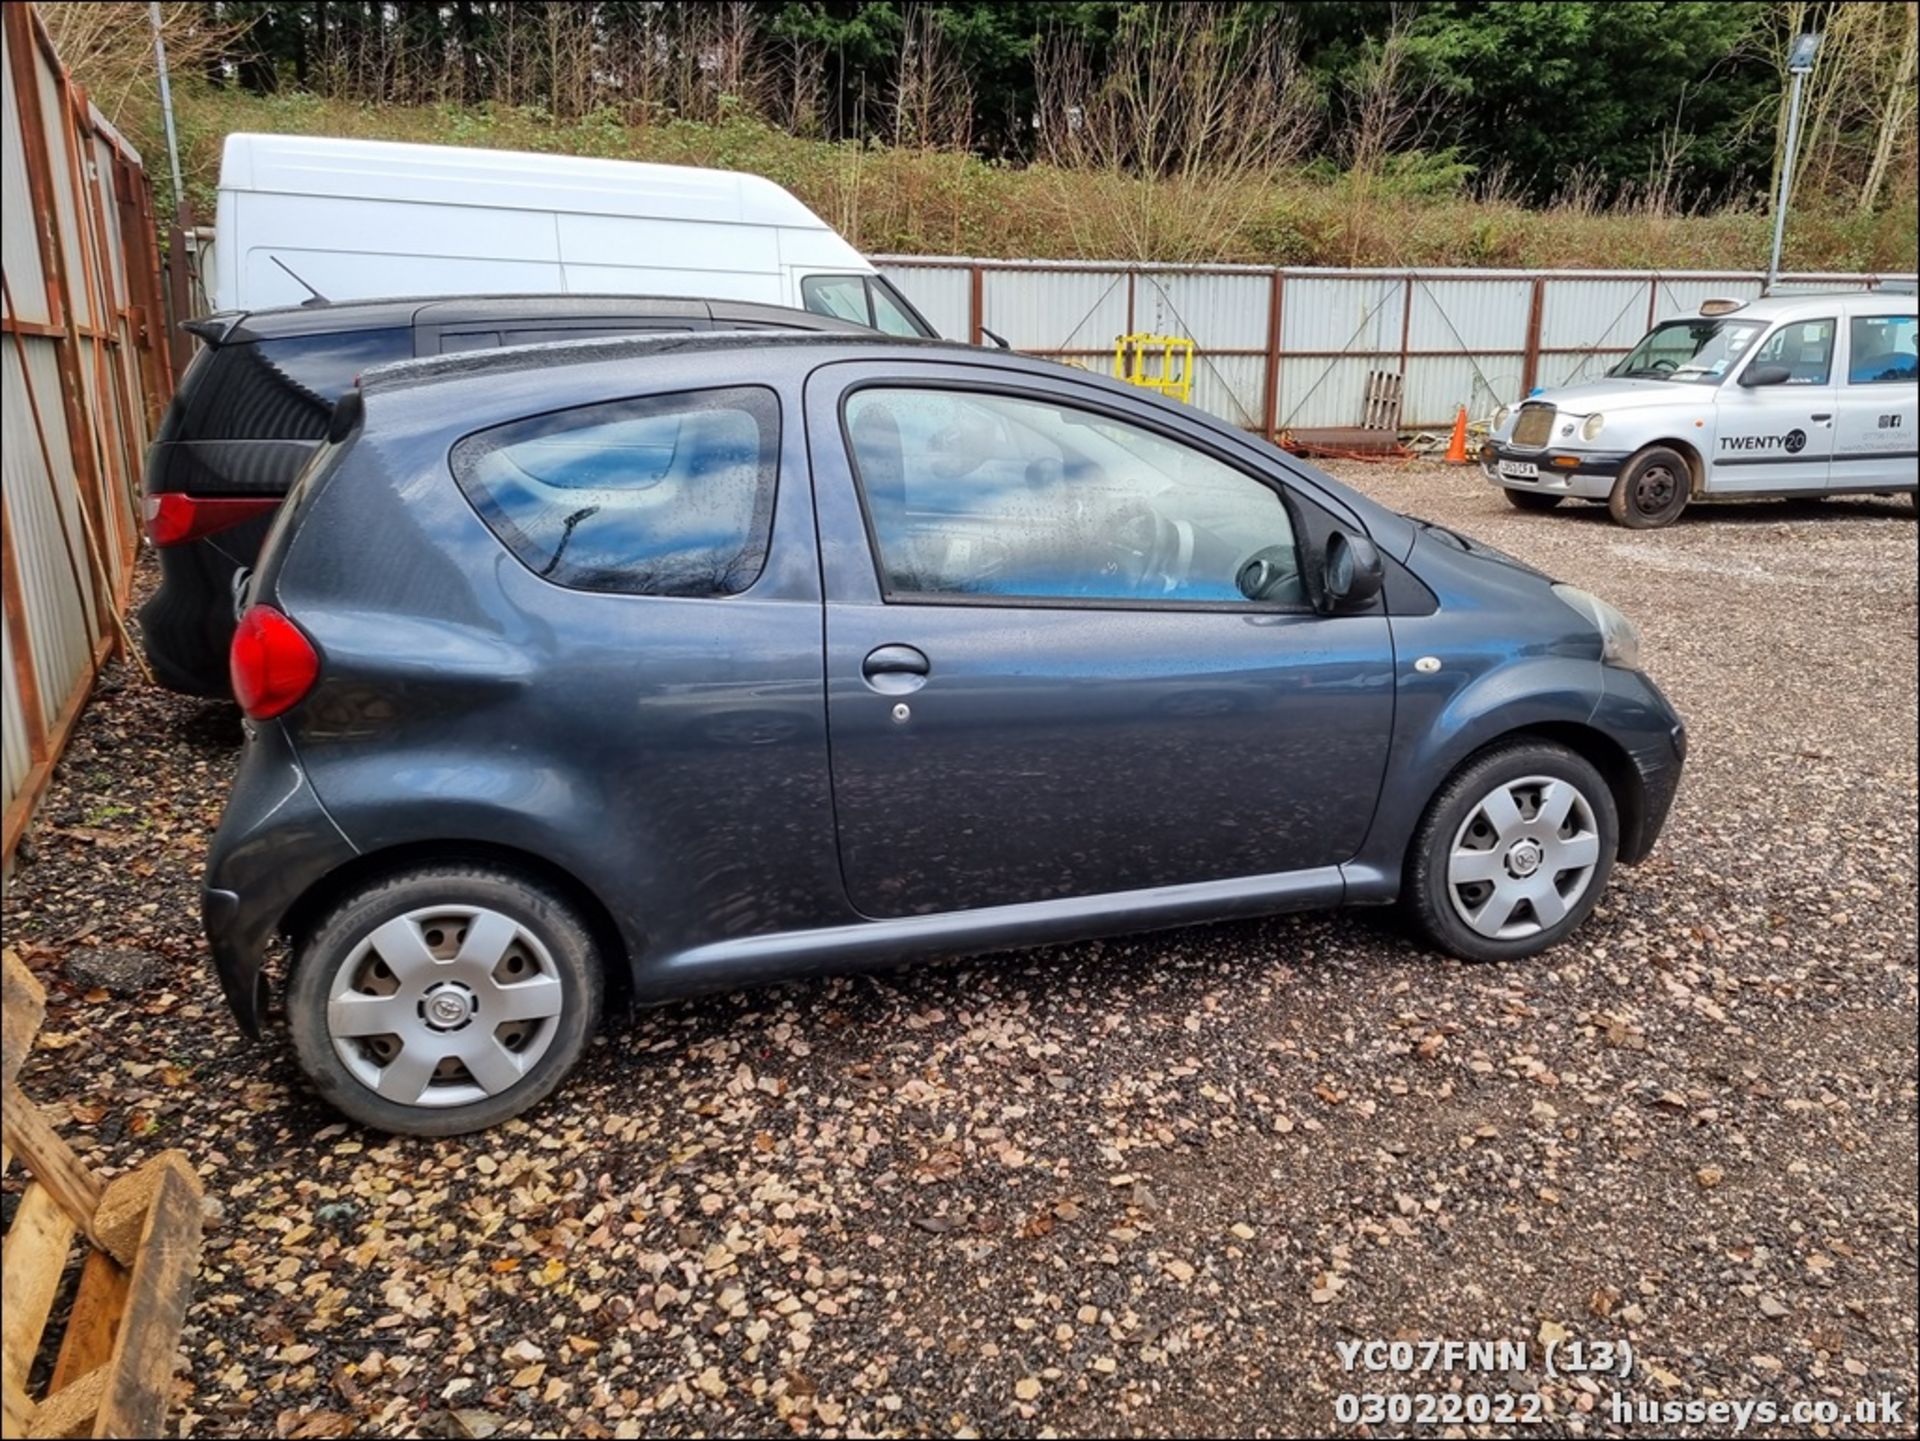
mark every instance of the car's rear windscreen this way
{"type": "Point", "coordinates": [276, 389]}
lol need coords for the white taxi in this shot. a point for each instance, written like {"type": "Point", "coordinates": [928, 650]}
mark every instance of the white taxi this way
{"type": "Point", "coordinates": [1797, 395]}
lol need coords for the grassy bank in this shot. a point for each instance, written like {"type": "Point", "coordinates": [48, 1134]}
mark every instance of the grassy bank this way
{"type": "Point", "coordinates": [933, 202]}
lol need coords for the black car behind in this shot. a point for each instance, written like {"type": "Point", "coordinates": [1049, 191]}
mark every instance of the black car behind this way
{"type": "Point", "coordinates": [254, 405]}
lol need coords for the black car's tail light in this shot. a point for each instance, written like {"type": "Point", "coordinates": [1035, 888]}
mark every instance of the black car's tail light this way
{"type": "Point", "coordinates": [175, 519]}
{"type": "Point", "coordinates": [273, 664]}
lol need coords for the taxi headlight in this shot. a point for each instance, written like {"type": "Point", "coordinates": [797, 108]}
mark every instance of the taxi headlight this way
{"type": "Point", "coordinates": [1619, 641]}
{"type": "Point", "coordinates": [1594, 425]}
{"type": "Point", "coordinates": [1500, 417]}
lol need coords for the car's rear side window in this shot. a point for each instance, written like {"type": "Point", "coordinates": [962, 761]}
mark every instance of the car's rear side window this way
{"type": "Point", "coordinates": [281, 389]}
{"type": "Point", "coordinates": [1883, 350]}
{"type": "Point", "coordinates": [666, 495]}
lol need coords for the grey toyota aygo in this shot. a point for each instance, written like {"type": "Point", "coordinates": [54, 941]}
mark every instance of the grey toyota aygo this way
{"type": "Point", "coordinates": [700, 661]}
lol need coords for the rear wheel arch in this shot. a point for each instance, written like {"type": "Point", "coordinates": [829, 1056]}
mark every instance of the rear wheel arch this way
{"type": "Point", "coordinates": [372, 867]}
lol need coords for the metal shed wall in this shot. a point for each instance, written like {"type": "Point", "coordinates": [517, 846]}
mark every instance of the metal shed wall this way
{"type": "Point", "coordinates": [83, 377]}
{"type": "Point", "coordinates": [1284, 348]}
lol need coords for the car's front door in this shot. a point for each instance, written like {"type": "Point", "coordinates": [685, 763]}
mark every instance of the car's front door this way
{"type": "Point", "coordinates": [1779, 436]}
{"type": "Point", "coordinates": [1044, 679]}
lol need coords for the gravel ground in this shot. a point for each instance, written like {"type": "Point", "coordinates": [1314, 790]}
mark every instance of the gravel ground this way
{"type": "Point", "coordinates": [1142, 1186]}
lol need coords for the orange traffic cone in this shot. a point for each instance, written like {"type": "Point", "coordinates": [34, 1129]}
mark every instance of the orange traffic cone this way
{"type": "Point", "coordinates": [1457, 447]}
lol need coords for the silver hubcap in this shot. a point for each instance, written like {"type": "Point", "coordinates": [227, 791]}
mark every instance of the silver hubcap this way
{"type": "Point", "coordinates": [1523, 858]}
{"type": "Point", "coordinates": [444, 1006]}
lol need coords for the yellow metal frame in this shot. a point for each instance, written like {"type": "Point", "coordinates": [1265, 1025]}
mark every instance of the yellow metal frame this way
{"type": "Point", "coordinates": [1134, 357]}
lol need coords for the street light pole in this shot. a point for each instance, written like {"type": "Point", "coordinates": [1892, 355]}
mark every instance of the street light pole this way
{"type": "Point", "coordinates": [1799, 63]}
{"type": "Point", "coordinates": [166, 102]}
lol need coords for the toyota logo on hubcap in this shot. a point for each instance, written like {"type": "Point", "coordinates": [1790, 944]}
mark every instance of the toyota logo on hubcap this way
{"type": "Point", "coordinates": [1524, 858]}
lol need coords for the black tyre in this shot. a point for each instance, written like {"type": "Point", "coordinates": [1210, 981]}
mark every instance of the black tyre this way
{"type": "Point", "coordinates": [1531, 499]}
{"type": "Point", "coordinates": [444, 1000]}
{"type": "Point", "coordinates": [1512, 854]}
{"type": "Point", "coordinates": [1653, 488]}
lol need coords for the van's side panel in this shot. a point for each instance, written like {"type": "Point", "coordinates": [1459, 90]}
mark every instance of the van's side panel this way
{"type": "Point", "coordinates": [351, 249]}
{"type": "Point", "coordinates": [655, 256]}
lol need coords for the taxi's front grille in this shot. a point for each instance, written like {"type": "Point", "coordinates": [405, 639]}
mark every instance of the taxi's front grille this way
{"type": "Point", "coordinates": [1534, 426]}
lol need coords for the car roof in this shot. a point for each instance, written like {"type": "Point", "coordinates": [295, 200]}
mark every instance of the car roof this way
{"type": "Point", "coordinates": [510, 359]}
{"type": "Point", "coordinates": [1815, 305]}
{"type": "Point", "coordinates": [238, 327]}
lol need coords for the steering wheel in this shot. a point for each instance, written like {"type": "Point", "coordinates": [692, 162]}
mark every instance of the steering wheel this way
{"type": "Point", "coordinates": [1140, 549]}
{"type": "Point", "coordinates": [1663, 365]}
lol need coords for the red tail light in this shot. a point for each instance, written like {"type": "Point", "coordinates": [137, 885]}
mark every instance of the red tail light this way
{"type": "Point", "coordinates": [175, 519]}
{"type": "Point", "coordinates": [273, 664]}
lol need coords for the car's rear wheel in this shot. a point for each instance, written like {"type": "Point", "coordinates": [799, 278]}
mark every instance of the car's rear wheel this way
{"type": "Point", "coordinates": [444, 1000]}
{"type": "Point", "coordinates": [1531, 499]}
{"type": "Point", "coordinates": [1513, 853]}
{"type": "Point", "coordinates": [1652, 489]}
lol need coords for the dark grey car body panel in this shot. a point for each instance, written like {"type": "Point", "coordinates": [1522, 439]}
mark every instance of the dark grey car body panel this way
{"type": "Point", "coordinates": [738, 804]}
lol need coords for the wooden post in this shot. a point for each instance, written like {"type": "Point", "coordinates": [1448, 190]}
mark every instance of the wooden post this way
{"type": "Point", "coordinates": [1406, 324]}
{"type": "Point", "coordinates": [976, 303]}
{"type": "Point", "coordinates": [1530, 369]}
{"type": "Point", "coordinates": [1276, 294]}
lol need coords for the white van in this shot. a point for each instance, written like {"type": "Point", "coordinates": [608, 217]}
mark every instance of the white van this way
{"type": "Point", "coordinates": [363, 219]}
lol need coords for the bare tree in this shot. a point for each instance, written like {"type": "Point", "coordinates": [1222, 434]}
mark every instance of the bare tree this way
{"type": "Point", "coordinates": [1387, 111]}
{"type": "Point", "coordinates": [933, 93]}
{"type": "Point", "coordinates": [1858, 113]}
{"type": "Point", "coordinates": [109, 48]}
{"type": "Point", "coordinates": [1194, 117]}
{"type": "Point", "coordinates": [1896, 116]}
{"type": "Point", "coordinates": [796, 75]}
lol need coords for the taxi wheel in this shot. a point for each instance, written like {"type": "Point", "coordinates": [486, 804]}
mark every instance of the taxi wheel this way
{"type": "Point", "coordinates": [1532, 500]}
{"type": "Point", "coordinates": [1652, 490]}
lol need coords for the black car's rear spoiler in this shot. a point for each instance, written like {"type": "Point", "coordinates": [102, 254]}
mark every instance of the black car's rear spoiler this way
{"type": "Point", "coordinates": [214, 329]}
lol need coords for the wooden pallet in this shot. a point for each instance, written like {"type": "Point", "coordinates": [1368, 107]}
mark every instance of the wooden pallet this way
{"type": "Point", "coordinates": [1383, 401]}
{"type": "Point", "coordinates": [114, 1366]}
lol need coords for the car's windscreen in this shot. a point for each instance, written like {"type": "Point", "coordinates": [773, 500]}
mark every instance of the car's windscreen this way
{"type": "Point", "coordinates": [1698, 351]}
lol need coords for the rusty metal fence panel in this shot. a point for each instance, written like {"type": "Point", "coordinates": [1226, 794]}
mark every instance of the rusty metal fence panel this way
{"type": "Point", "coordinates": [84, 374]}
{"type": "Point", "coordinates": [1291, 348]}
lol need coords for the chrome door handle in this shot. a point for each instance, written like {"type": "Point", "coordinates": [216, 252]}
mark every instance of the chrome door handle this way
{"type": "Point", "coordinates": [895, 669]}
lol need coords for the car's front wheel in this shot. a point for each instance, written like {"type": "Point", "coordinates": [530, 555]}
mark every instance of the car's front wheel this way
{"type": "Point", "coordinates": [444, 1000]}
{"type": "Point", "coordinates": [1513, 852]}
{"type": "Point", "coordinates": [1532, 499]}
{"type": "Point", "coordinates": [1651, 489]}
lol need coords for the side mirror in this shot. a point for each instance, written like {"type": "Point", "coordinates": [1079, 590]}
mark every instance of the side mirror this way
{"type": "Point", "coordinates": [1755, 375]}
{"type": "Point", "coordinates": [1350, 573]}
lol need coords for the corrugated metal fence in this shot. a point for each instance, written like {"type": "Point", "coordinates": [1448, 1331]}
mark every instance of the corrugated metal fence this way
{"type": "Point", "coordinates": [1279, 349]}
{"type": "Point", "coordinates": [85, 373]}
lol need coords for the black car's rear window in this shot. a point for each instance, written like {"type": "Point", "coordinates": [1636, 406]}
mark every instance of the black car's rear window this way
{"type": "Point", "coordinates": [277, 389]}
{"type": "Point", "coordinates": [667, 495]}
